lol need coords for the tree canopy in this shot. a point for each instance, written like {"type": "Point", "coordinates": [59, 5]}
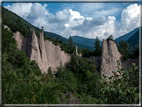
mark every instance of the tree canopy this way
{"type": "Point", "coordinates": [124, 48]}
{"type": "Point", "coordinates": [110, 37]}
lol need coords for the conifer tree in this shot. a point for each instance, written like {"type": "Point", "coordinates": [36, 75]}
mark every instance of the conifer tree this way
{"type": "Point", "coordinates": [110, 37]}
{"type": "Point", "coordinates": [123, 47]}
{"type": "Point", "coordinates": [97, 47]}
{"type": "Point", "coordinates": [70, 42]}
{"type": "Point", "coordinates": [70, 46]}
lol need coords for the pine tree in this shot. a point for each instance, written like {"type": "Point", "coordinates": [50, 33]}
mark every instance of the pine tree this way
{"type": "Point", "coordinates": [70, 42]}
{"type": "Point", "coordinates": [110, 37]}
{"type": "Point", "coordinates": [123, 47]}
{"type": "Point", "coordinates": [97, 47]}
{"type": "Point", "coordinates": [70, 46]}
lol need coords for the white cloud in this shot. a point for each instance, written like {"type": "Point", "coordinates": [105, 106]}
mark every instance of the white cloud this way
{"type": "Point", "coordinates": [69, 22]}
{"type": "Point", "coordinates": [29, 11]}
{"type": "Point", "coordinates": [102, 26]}
{"type": "Point", "coordinates": [40, 22]}
{"type": "Point", "coordinates": [75, 19]}
{"type": "Point", "coordinates": [21, 9]}
{"type": "Point", "coordinates": [88, 25]}
{"type": "Point", "coordinates": [108, 28]}
{"type": "Point", "coordinates": [75, 15]}
{"type": "Point", "coordinates": [38, 10]}
{"type": "Point", "coordinates": [67, 25]}
{"type": "Point", "coordinates": [61, 16]}
{"type": "Point", "coordinates": [130, 17]}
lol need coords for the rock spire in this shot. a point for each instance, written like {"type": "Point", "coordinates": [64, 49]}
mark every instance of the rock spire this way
{"type": "Point", "coordinates": [44, 52]}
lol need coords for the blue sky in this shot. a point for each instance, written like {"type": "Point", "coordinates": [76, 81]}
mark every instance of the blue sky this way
{"type": "Point", "coordinates": [82, 19]}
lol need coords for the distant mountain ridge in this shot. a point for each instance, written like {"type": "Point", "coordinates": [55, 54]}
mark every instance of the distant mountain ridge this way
{"type": "Point", "coordinates": [79, 45]}
{"type": "Point", "coordinates": [85, 41]}
{"type": "Point", "coordinates": [126, 36]}
{"type": "Point", "coordinates": [132, 38]}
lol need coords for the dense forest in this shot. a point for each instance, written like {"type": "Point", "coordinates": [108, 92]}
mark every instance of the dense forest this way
{"type": "Point", "coordinates": [79, 83]}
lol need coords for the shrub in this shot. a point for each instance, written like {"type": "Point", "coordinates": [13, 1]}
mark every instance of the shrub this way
{"type": "Point", "coordinates": [121, 89]}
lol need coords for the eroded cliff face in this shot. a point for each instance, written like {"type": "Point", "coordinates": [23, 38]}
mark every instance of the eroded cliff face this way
{"type": "Point", "coordinates": [43, 52]}
{"type": "Point", "coordinates": [46, 54]}
{"type": "Point", "coordinates": [110, 56]}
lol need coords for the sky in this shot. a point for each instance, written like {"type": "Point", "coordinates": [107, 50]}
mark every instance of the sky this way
{"type": "Point", "coordinates": [82, 19]}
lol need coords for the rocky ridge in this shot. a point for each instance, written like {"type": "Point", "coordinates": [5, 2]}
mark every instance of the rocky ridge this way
{"type": "Point", "coordinates": [76, 52]}
{"type": "Point", "coordinates": [109, 57]}
{"type": "Point", "coordinates": [42, 51]}
{"type": "Point", "coordinates": [46, 54]}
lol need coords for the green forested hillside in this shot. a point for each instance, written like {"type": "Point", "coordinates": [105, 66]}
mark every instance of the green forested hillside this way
{"type": "Point", "coordinates": [133, 41]}
{"type": "Point", "coordinates": [126, 36]}
{"type": "Point", "coordinates": [16, 23]}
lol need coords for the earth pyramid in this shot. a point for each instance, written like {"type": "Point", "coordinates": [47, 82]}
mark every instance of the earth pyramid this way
{"type": "Point", "coordinates": [44, 52]}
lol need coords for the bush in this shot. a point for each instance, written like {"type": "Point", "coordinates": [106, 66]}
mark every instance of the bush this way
{"type": "Point", "coordinates": [123, 88]}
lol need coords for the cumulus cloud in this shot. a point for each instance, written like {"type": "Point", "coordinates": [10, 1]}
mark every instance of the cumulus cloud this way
{"type": "Point", "coordinates": [75, 15]}
{"type": "Point", "coordinates": [21, 9]}
{"type": "Point", "coordinates": [87, 25]}
{"type": "Point", "coordinates": [75, 19]}
{"type": "Point", "coordinates": [61, 16]}
{"type": "Point", "coordinates": [107, 27]}
{"type": "Point", "coordinates": [106, 34]}
{"type": "Point", "coordinates": [40, 22]}
{"type": "Point", "coordinates": [37, 10]}
{"type": "Point", "coordinates": [130, 17]}
{"type": "Point", "coordinates": [61, 27]}
{"type": "Point", "coordinates": [29, 11]}
{"type": "Point", "coordinates": [67, 25]}
{"type": "Point", "coordinates": [69, 22]}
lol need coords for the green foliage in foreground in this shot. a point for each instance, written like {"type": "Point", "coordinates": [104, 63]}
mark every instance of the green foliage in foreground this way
{"type": "Point", "coordinates": [123, 88]}
{"type": "Point", "coordinates": [82, 79]}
